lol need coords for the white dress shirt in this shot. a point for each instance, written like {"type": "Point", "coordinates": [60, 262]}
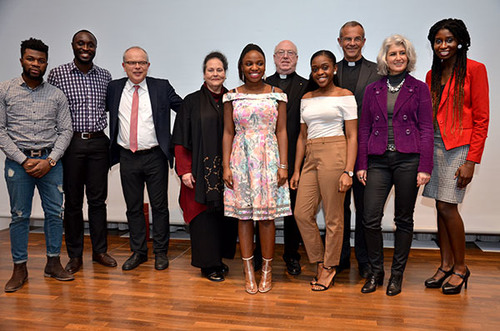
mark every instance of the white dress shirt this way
{"type": "Point", "coordinates": [146, 134]}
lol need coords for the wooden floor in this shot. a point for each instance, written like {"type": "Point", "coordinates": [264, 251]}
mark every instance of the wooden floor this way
{"type": "Point", "coordinates": [178, 298]}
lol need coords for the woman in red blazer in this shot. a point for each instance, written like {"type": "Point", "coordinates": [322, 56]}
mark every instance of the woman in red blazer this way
{"type": "Point", "coordinates": [459, 89]}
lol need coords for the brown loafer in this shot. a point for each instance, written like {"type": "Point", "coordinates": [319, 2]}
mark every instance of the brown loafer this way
{"type": "Point", "coordinates": [105, 259]}
{"type": "Point", "coordinates": [74, 265]}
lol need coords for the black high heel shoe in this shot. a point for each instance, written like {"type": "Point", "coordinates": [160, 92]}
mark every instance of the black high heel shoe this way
{"type": "Point", "coordinates": [456, 289]}
{"type": "Point", "coordinates": [437, 283]}
{"type": "Point", "coordinates": [321, 287]}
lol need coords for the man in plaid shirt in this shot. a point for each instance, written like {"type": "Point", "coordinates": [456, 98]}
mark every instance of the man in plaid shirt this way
{"type": "Point", "coordinates": [86, 161]}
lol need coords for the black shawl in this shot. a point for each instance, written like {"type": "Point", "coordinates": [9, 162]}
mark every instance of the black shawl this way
{"type": "Point", "coordinates": [198, 127]}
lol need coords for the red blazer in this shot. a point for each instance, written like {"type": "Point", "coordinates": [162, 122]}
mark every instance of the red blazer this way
{"type": "Point", "coordinates": [475, 114]}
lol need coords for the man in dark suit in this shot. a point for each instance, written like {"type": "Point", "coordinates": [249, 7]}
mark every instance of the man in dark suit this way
{"type": "Point", "coordinates": [139, 111]}
{"type": "Point", "coordinates": [354, 73]}
{"type": "Point", "coordinates": [285, 77]}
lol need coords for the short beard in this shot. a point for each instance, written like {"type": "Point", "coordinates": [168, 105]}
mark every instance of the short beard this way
{"type": "Point", "coordinates": [27, 74]}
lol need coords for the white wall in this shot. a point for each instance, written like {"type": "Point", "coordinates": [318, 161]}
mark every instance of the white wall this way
{"type": "Point", "coordinates": [178, 33]}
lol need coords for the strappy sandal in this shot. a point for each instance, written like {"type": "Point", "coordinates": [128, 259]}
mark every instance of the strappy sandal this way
{"type": "Point", "coordinates": [323, 287]}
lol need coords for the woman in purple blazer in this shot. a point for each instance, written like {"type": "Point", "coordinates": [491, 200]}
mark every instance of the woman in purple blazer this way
{"type": "Point", "coordinates": [395, 149]}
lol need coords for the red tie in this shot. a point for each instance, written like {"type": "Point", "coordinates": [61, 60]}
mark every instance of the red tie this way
{"type": "Point", "coordinates": [133, 120]}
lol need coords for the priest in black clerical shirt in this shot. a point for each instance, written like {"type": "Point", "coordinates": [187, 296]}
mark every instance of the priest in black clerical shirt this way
{"type": "Point", "coordinates": [354, 73]}
{"type": "Point", "coordinates": [285, 59]}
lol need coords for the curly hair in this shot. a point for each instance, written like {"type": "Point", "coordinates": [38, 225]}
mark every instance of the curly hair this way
{"type": "Point", "coordinates": [459, 30]}
{"type": "Point", "coordinates": [34, 44]}
{"type": "Point", "coordinates": [395, 40]}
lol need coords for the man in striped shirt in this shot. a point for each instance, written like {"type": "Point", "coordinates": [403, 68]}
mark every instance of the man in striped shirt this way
{"type": "Point", "coordinates": [86, 161]}
{"type": "Point", "coordinates": [35, 129]}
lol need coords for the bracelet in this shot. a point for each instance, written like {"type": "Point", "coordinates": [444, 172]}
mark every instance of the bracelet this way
{"type": "Point", "coordinates": [283, 166]}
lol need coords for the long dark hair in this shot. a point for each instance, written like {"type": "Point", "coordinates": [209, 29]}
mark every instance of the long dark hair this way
{"type": "Point", "coordinates": [459, 30]}
{"type": "Point", "coordinates": [248, 48]}
{"type": "Point", "coordinates": [311, 86]}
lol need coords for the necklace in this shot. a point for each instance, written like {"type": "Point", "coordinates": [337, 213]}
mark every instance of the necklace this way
{"type": "Point", "coordinates": [393, 89]}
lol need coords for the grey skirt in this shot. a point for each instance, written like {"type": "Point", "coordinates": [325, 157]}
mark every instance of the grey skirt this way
{"type": "Point", "coordinates": [443, 185]}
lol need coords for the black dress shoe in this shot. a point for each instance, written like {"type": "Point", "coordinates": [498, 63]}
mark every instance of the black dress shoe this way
{"type": "Point", "coordinates": [74, 265]}
{"type": "Point", "coordinates": [134, 261]}
{"type": "Point", "coordinates": [105, 259]}
{"type": "Point", "coordinates": [394, 287]}
{"type": "Point", "coordinates": [371, 283]}
{"type": "Point", "coordinates": [293, 267]}
{"type": "Point", "coordinates": [224, 269]}
{"type": "Point", "coordinates": [213, 274]}
{"type": "Point", "coordinates": [161, 261]}
{"type": "Point", "coordinates": [364, 270]}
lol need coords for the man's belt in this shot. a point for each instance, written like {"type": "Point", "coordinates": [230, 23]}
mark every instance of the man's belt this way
{"type": "Point", "coordinates": [89, 135]}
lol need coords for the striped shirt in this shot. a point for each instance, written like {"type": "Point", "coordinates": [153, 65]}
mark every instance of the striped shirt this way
{"type": "Point", "coordinates": [86, 95]}
{"type": "Point", "coordinates": [33, 119]}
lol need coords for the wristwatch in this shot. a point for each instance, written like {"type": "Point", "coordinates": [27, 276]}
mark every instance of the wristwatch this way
{"type": "Point", "coordinates": [52, 162]}
{"type": "Point", "coordinates": [349, 173]}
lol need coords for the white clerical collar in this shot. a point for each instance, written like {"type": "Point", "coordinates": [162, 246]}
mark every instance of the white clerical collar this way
{"type": "Point", "coordinates": [283, 76]}
{"type": "Point", "coordinates": [351, 64]}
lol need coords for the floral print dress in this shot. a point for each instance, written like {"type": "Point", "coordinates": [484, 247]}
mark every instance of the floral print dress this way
{"type": "Point", "coordinates": [254, 159]}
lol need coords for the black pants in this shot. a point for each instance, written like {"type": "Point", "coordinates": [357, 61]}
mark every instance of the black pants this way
{"type": "Point", "coordinates": [400, 170]}
{"type": "Point", "coordinates": [150, 168]}
{"type": "Point", "coordinates": [358, 190]}
{"type": "Point", "coordinates": [213, 237]}
{"type": "Point", "coordinates": [292, 237]}
{"type": "Point", "coordinates": [86, 166]}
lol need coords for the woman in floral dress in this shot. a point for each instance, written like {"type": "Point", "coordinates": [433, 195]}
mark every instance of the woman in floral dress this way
{"type": "Point", "coordinates": [255, 162]}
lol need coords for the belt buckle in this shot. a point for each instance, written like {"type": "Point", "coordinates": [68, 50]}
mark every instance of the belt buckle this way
{"type": "Point", "coordinates": [36, 153]}
{"type": "Point", "coordinates": [391, 148]}
{"type": "Point", "coordinates": [85, 135]}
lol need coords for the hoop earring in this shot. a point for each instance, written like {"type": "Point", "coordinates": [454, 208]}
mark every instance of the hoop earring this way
{"type": "Point", "coordinates": [459, 46]}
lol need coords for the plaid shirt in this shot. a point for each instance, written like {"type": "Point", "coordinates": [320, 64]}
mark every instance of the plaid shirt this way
{"type": "Point", "coordinates": [86, 95]}
{"type": "Point", "coordinates": [33, 119]}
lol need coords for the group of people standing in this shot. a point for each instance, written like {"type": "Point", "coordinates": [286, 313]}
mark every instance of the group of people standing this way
{"type": "Point", "coordinates": [354, 125]}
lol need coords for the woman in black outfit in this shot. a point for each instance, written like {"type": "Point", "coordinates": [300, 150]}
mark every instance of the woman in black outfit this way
{"type": "Point", "coordinates": [197, 138]}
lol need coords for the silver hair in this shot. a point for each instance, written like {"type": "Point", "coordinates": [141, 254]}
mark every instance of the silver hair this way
{"type": "Point", "coordinates": [351, 24]}
{"type": "Point", "coordinates": [136, 47]}
{"type": "Point", "coordinates": [397, 40]}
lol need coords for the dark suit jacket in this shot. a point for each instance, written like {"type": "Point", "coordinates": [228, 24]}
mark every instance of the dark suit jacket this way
{"type": "Point", "coordinates": [163, 98]}
{"type": "Point", "coordinates": [411, 121]}
{"type": "Point", "coordinates": [367, 75]}
{"type": "Point", "coordinates": [296, 89]}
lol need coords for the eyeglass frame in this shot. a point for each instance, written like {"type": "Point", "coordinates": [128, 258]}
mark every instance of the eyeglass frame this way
{"type": "Point", "coordinates": [282, 52]}
{"type": "Point", "coordinates": [134, 63]}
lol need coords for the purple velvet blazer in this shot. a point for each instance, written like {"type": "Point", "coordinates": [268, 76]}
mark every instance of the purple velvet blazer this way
{"type": "Point", "coordinates": [412, 122]}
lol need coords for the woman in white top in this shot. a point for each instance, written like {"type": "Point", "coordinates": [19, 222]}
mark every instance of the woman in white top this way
{"type": "Point", "coordinates": [327, 111]}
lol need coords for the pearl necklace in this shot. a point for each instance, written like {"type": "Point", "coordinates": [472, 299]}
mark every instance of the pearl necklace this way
{"type": "Point", "coordinates": [393, 89]}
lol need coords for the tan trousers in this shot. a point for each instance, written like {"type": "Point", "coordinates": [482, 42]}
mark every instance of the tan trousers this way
{"type": "Point", "coordinates": [325, 160]}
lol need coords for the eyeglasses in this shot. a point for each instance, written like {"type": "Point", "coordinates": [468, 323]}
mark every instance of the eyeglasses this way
{"type": "Point", "coordinates": [282, 52]}
{"type": "Point", "coordinates": [134, 63]}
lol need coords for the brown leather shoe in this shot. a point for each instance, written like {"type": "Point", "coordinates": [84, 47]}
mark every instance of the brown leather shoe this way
{"type": "Point", "coordinates": [19, 277]}
{"type": "Point", "coordinates": [54, 269]}
{"type": "Point", "coordinates": [105, 259]}
{"type": "Point", "coordinates": [74, 265]}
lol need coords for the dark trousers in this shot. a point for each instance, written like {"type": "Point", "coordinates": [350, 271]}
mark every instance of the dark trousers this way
{"type": "Point", "coordinates": [150, 168]}
{"type": "Point", "coordinates": [358, 191]}
{"type": "Point", "coordinates": [86, 166]}
{"type": "Point", "coordinates": [292, 237]}
{"type": "Point", "coordinates": [400, 170]}
{"type": "Point", "coordinates": [213, 237]}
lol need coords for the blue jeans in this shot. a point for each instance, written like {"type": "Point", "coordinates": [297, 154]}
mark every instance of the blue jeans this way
{"type": "Point", "coordinates": [21, 188]}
